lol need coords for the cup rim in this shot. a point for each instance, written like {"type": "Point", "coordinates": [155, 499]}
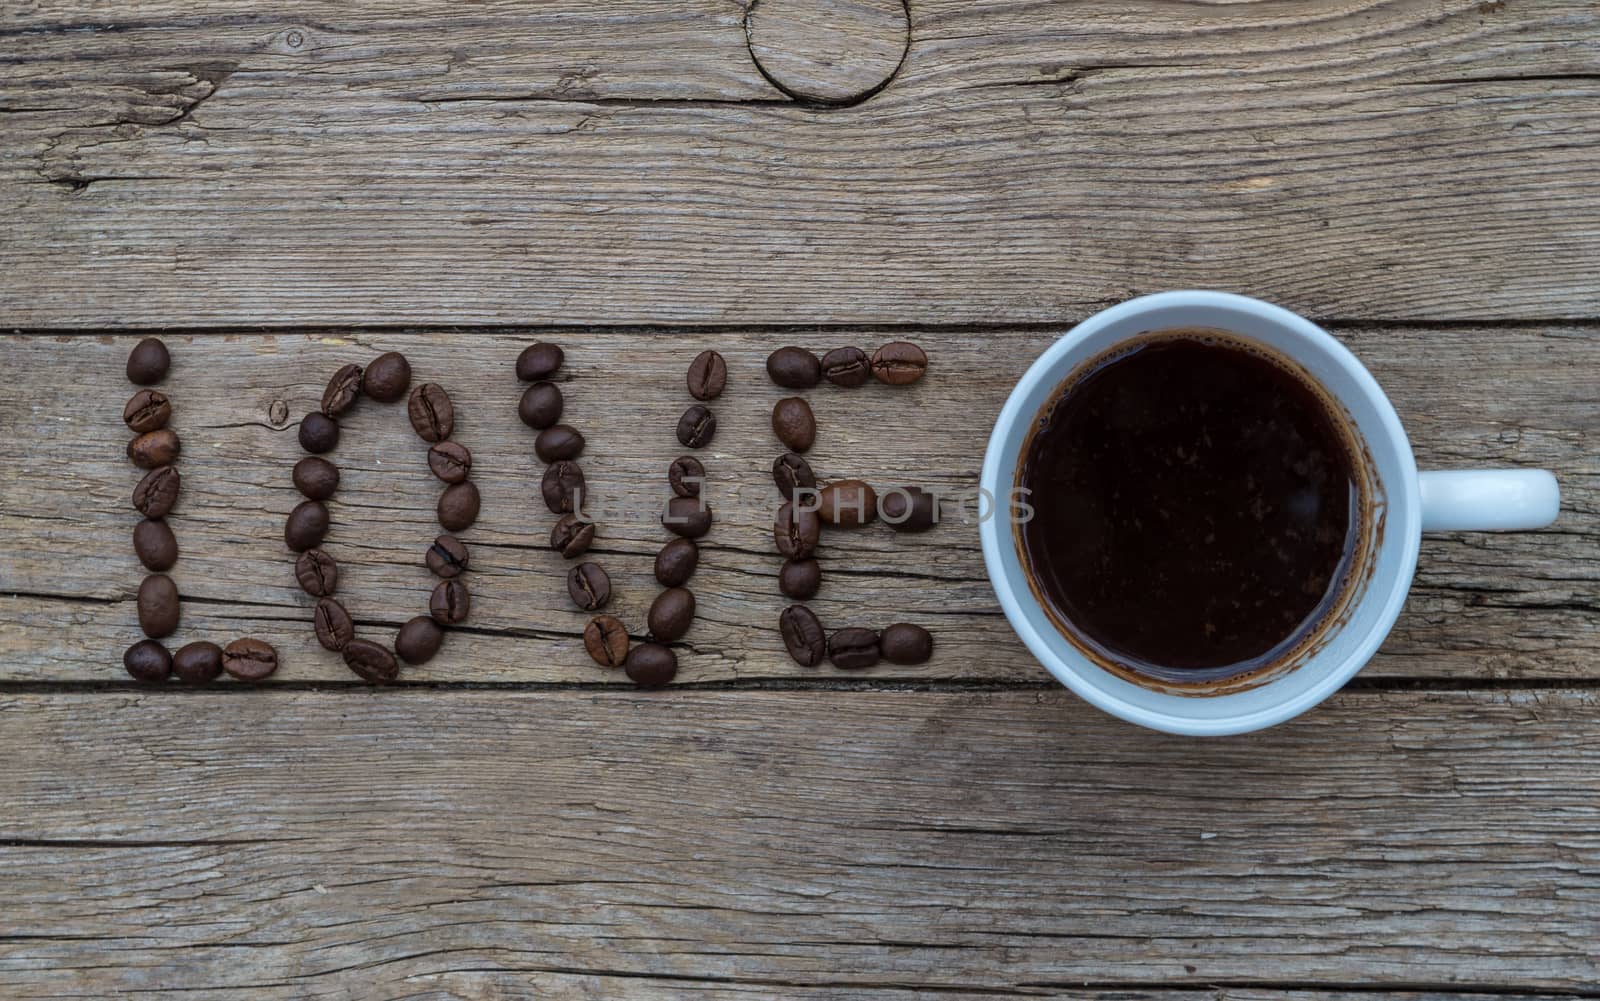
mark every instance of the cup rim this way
{"type": "Point", "coordinates": [1404, 519]}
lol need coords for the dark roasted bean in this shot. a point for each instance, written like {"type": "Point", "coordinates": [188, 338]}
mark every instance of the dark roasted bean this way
{"type": "Point", "coordinates": [802, 635]}
{"type": "Point", "coordinates": [899, 363]}
{"type": "Point", "coordinates": [371, 662]}
{"type": "Point", "coordinates": [147, 660]}
{"type": "Point", "coordinates": [432, 414]}
{"type": "Point", "coordinates": [904, 643]}
{"type": "Point", "coordinates": [671, 614]}
{"type": "Point", "coordinates": [450, 602]}
{"type": "Point", "coordinates": [317, 573]}
{"type": "Point", "coordinates": [794, 424]}
{"type": "Point", "coordinates": [316, 477]}
{"type": "Point", "coordinates": [538, 360]}
{"type": "Point", "coordinates": [344, 389]}
{"type": "Point", "coordinates": [333, 625]}
{"type": "Point", "coordinates": [795, 368]}
{"type": "Point", "coordinates": [852, 649]}
{"type": "Point", "coordinates": [562, 487]}
{"type": "Point", "coordinates": [800, 579]}
{"type": "Point", "coordinates": [909, 509]}
{"type": "Point", "coordinates": [558, 442]}
{"type": "Point", "coordinates": [796, 531]}
{"type": "Point", "coordinates": [156, 494]}
{"type": "Point", "coordinates": [458, 506]}
{"type": "Point", "coordinates": [689, 517]}
{"type": "Point", "coordinates": [387, 377]}
{"type": "Point", "coordinates": [147, 410]}
{"type": "Point", "coordinates": [697, 427]}
{"type": "Point", "coordinates": [306, 526]}
{"type": "Point", "coordinates": [197, 663]}
{"type": "Point", "coordinates": [789, 472]}
{"type": "Point", "coordinates": [447, 557]}
{"type": "Point", "coordinates": [155, 545]}
{"type": "Point", "coordinates": [158, 606]}
{"type": "Point", "coordinates": [249, 659]}
{"type": "Point", "coordinates": [606, 640]}
{"type": "Point", "coordinates": [541, 405]}
{"type": "Point", "coordinates": [572, 536]}
{"type": "Point", "coordinates": [686, 476]}
{"type": "Point", "coordinates": [588, 586]}
{"type": "Point", "coordinates": [148, 362]}
{"type": "Point", "coordinates": [676, 562]}
{"type": "Point", "coordinates": [708, 375]}
{"type": "Point", "coordinates": [418, 640]}
{"type": "Point", "coordinates": [154, 449]}
{"type": "Point", "coordinates": [847, 503]}
{"type": "Point", "coordinates": [651, 665]}
{"type": "Point", "coordinates": [319, 433]}
{"type": "Point", "coordinates": [450, 462]}
{"type": "Point", "coordinates": [848, 367]}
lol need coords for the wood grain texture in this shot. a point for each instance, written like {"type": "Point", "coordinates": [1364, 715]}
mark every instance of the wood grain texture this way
{"type": "Point", "coordinates": [1402, 159]}
{"type": "Point", "coordinates": [445, 844]}
{"type": "Point", "coordinates": [834, 51]}
{"type": "Point", "coordinates": [1485, 606]}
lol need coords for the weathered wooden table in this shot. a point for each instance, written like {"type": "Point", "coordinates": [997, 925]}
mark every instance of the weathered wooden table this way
{"type": "Point", "coordinates": [283, 188]}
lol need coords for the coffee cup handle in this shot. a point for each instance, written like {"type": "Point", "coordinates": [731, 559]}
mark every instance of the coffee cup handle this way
{"type": "Point", "coordinates": [1488, 500]}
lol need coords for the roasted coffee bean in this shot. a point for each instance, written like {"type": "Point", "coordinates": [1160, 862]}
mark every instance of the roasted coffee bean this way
{"type": "Point", "coordinates": [852, 649]}
{"type": "Point", "coordinates": [155, 545]}
{"type": "Point", "coordinates": [789, 472]}
{"type": "Point", "coordinates": [541, 405]}
{"type": "Point", "coordinates": [154, 449]}
{"type": "Point", "coordinates": [371, 662]}
{"type": "Point", "coordinates": [848, 367]}
{"type": "Point", "coordinates": [708, 375]}
{"type": "Point", "coordinates": [147, 410]}
{"type": "Point", "coordinates": [147, 660]}
{"type": "Point", "coordinates": [847, 503]}
{"type": "Point", "coordinates": [904, 643]}
{"type": "Point", "coordinates": [686, 476]}
{"type": "Point", "coordinates": [795, 368]}
{"type": "Point", "coordinates": [148, 362]}
{"type": "Point", "coordinates": [697, 427]}
{"type": "Point", "coordinates": [689, 517]}
{"type": "Point", "coordinates": [333, 625]}
{"type": "Point", "coordinates": [651, 665]}
{"type": "Point", "coordinates": [344, 389]}
{"type": "Point", "coordinates": [306, 526]}
{"type": "Point", "coordinates": [676, 562]}
{"type": "Point", "coordinates": [899, 363]}
{"type": "Point", "coordinates": [538, 361]}
{"type": "Point", "coordinates": [562, 487]}
{"type": "Point", "coordinates": [796, 531]}
{"type": "Point", "coordinates": [450, 603]}
{"type": "Point", "coordinates": [794, 424]}
{"type": "Point", "coordinates": [158, 606]}
{"type": "Point", "coordinates": [458, 506]}
{"type": "Point", "coordinates": [571, 536]}
{"type": "Point", "coordinates": [198, 663]}
{"type": "Point", "coordinates": [156, 494]}
{"type": "Point", "coordinates": [319, 433]}
{"type": "Point", "coordinates": [447, 557]}
{"type": "Point", "coordinates": [606, 640]}
{"type": "Point", "coordinates": [588, 586]}
{"type": "Point", "coordinates": [450, 462]}
{"type": "Point", "coordinates": [249, 659]}
{"type": "Point", "coordinates": [418, 640]}
{"type": "Point", "coordinates": [387, 377]}
{"type": "Point", "coordinates": [316, 477]}
{"type": "Point", "coordinates": [802, 635]}
{"type": "Point", "coordinates": [317, 573]}
{"type": "Point", "coordinates": [909, 509]}
{"type": "Point", "coordinates": [432, 414]}
{"type": "Point", "coordinates": [557, 442]}
{"type": "Point", "coordinates": [800, 579]}
{"type": "Point", "coordinates": [671, 614]}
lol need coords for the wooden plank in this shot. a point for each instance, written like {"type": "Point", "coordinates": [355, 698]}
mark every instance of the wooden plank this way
{"type": "Point", "coordinates": [1511, 606]}
{"type": "Point", "coordinates": [1029, 162]}
{"type": "Point", "coordinates": [451, 844]}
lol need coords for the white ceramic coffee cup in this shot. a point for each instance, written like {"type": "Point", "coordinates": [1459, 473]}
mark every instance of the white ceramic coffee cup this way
{"type": "Point", "coordinates": [1404, 505]}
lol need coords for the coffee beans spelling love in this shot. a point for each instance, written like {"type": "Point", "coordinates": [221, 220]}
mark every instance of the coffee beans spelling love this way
{"type": "Point", "coordinates": [686, 476]}
{"type": "Point", "coordinates": [708, 376]}
{"type": "Point", "coordinates": [794, 424]}
{"type": "Point", "coordinates": [156, 448]}
{"type": "Point", "coordinates": [605, 639]}
{"type": "Point", "coordinates": [432, 415]}
{"type": "Point", "coordinates": [697, 427]}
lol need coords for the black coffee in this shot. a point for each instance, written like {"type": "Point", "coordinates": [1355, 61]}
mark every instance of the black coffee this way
{"type": "Point", "coordinates": [1196, 506]}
